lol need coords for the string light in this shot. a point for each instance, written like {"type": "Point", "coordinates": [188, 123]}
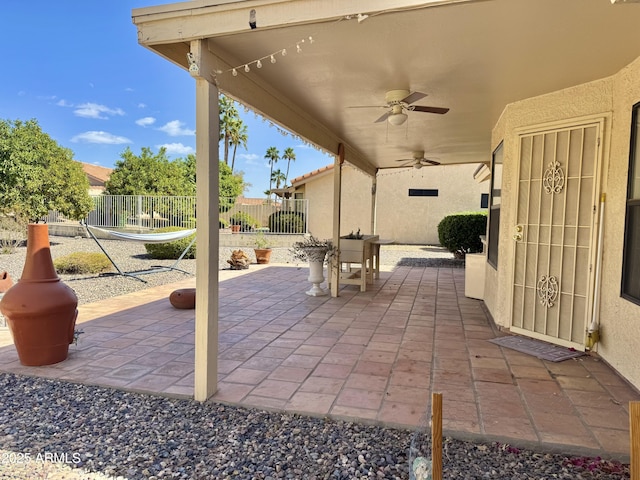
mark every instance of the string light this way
{"type": "Point", "coordinates": [270, 57]}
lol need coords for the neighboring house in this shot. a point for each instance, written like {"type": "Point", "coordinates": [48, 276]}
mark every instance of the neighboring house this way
{"type": "Point", "coordinates": [410, 203]}
{"type": "Point", "coordinates": [97, 177]}
{"type": "Point", "coordinates": [547, 91]}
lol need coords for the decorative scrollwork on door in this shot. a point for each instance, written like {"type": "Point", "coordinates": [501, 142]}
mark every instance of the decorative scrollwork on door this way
{"type": "Point", "coordinates": [553, 180]}
{"type": "Point", "coordinates": [547, 290]}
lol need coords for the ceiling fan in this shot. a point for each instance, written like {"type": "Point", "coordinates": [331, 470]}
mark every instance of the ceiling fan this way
{"type": "Point", "coordinates": [399, 102]}
{"type": "Point", "coordinates": [417, 161]}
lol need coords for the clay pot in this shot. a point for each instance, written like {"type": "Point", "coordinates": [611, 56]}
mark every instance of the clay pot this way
{"type": "Point", "coordinates": [183, 298]}
{"type": "Point", "coordinates": [41, 311]}
{"type": "Point", "coordinates": [263, 255]}
{"type": "Point", "coordinates": [5, 282]}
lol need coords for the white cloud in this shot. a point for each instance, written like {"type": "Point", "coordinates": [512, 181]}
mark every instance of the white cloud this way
{"type": "Point", "coordinates": [64, 103]}
{"type": "Point", "coordinates": [145, 121]}
{"type": "Point", "coordinates": [250, 158]}
{"type": "Point", "coordinates": [175, 128]}
{"type": "Point", "coordinates": [100, 137]}
{"type": "Point", "coordinates": [142, 105]}
{"type": "Point", "coordinates": [95, 110]}
{"type": "Point", "coordinates": [128, 89]}
{"type": "Point", "coordinates": [177, 149]}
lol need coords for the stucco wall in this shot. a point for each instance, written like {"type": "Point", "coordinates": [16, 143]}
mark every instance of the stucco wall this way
{"type": "Point", "coordinates": [414, 220]}
{"type": "Point", "coordinates": [613, 99]}
{"type": "Point", "coordinates": [404, 219]}
{"type": "Point", "coordinates": [356, 203]}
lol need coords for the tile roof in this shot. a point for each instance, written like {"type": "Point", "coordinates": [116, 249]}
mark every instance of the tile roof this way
{"type": "Point", "coordinates": [97, 175]}
{"type": "Point", "coordinates": [304, 178]}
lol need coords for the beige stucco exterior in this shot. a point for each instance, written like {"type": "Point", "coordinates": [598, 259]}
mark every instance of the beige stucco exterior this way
{"type": "Point", "coordinates": [399, 217]}
{"type": "Point", "coordinates": [610, 99]}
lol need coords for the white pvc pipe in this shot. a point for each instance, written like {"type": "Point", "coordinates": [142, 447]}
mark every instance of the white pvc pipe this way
{"type": "Point", "coordinates": [596, 293]}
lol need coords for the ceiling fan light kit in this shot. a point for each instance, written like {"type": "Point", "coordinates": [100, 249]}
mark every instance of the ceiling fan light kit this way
{"type": "Point", "coordinates": [397, 118]}
{"type": "Point", "coordinates": [399, 103]}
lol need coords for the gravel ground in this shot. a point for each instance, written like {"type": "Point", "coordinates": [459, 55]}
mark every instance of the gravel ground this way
{"type": "Point", "coordinates": [57, 430]}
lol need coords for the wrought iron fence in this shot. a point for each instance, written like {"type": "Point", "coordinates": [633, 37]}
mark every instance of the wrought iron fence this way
{"type": "Point", "coordinates": [285, 216]}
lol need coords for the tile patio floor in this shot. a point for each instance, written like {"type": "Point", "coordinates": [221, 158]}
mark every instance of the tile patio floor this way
{"type": "Point", "coordinates": [374, 356]}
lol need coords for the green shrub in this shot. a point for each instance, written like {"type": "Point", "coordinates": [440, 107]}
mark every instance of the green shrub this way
{"type": "Point", "coordinates": [246, 221]}
{"type": "Point", "coordinates": [460, 233]}
{"type": "Point", "coordinates": [13, 232]}
{"type": "Point", "coordinates": [286, 222]}
{"type": "Point", "coordinates": [171, 250]}
{"type": "Point", "coordinates": [222, 223]}
{"type": "Point", "coordinates": [83, 262]}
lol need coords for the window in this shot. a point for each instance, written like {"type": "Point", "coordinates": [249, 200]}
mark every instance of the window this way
{"type": "Point", "coordinates": [494, 209]}
{"type": "Point", "coordinates": [484, 200]}
{"type": "Point", "coordinates": [423, 192]}
{"type": "Point", "coordinates": [631, 255]}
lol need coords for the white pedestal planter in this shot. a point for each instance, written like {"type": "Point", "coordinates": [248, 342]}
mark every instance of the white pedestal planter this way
{"type": "Point", "coordinates": [316, 277]}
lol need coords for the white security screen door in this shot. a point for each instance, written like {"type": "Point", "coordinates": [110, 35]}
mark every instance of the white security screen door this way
{"type": "Point", "coordinates": [554, 234]}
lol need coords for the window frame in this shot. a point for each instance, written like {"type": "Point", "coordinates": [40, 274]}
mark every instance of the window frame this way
{"type": "Point", "coordinates": [495, 202]}
{"type": "Point", "coordinates": [631, 250]}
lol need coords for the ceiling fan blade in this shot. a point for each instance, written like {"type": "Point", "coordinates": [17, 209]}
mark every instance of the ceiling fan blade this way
{"type": "Point", "coordinates": [406, 160]}
{"type": "Point", "coordinates": [383, 117]}
{"type": "Point", "coordinates": [439, 110]}
{"type": "Point", "coordinates": [368, 106]}
{"type": "Point", "coordinates": [430, 162]}
{"type": "Point", "coordinates": [414, 97]}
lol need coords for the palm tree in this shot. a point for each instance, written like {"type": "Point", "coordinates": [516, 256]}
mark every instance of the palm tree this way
{"type": "Point", "coordinates": [228, 115]}
{"type": "Point", "coordinates": [237, 136]}
{"type": "Point", "coordinates": [278, 178]}
{"type": "Point", "coordinates": [273, 155]}
{"type": "Point", "coordinates": [290, 156]}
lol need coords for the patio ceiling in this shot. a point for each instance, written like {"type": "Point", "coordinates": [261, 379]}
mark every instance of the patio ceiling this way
{"type": "Point", "coordinates": [472, 56]}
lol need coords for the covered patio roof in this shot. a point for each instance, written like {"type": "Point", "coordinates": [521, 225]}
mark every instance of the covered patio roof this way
{"type": "Point", "coordinates": [471, 56]}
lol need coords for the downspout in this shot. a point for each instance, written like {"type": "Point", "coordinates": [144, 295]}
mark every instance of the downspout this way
{"type": "Point", "coordinates": [593, 333]}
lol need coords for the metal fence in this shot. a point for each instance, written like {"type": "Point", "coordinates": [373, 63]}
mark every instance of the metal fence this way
{"type": "Point", "coordinates": [149, 212]}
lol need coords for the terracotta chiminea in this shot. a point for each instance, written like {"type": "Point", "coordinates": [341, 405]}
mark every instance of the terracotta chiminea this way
{"type": "Point", "coordinates": [40, 309]}
{"type": "Point", "coordinates": [5, 282]}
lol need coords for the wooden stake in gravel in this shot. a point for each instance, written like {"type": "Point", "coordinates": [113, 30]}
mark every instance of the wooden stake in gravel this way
{"type": "Point", "coordinates": [634, 433]}
{"type": "Point", "coordinates": [436, 436]}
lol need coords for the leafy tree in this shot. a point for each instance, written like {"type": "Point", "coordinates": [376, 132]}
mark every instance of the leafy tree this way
{"type": "Point", "coordinates": [273, 155]}
{"type": "Point", "coordinates": [38, 175]}
{"type": "Point", "coordinates": [290, 156]}
{"type": "Point", "coordinates": [230, 187]}
{"type": "Point", "coordinates": [149, 174]}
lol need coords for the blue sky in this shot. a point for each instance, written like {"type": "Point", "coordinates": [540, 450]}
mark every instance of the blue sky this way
{"type": "Point", "coordinates": [76, 67]}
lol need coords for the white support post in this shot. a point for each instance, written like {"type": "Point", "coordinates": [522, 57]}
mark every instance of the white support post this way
{"type": "Point", "coordinates": [337, 193]}
{"type": "Point", "coordinates": [374, 196]}
{"type": "Point", "coordinates": [206, 325]}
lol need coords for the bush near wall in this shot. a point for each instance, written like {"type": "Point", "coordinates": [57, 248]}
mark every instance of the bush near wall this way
{"type": "Point", "coordinates": [286, 222]}
{"type": "Point", "coordinates": [171, 250]}
{"type": "Point", "coordinates": [460, 233]}
{"type": "Point", "coordinates": [247, 222]}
